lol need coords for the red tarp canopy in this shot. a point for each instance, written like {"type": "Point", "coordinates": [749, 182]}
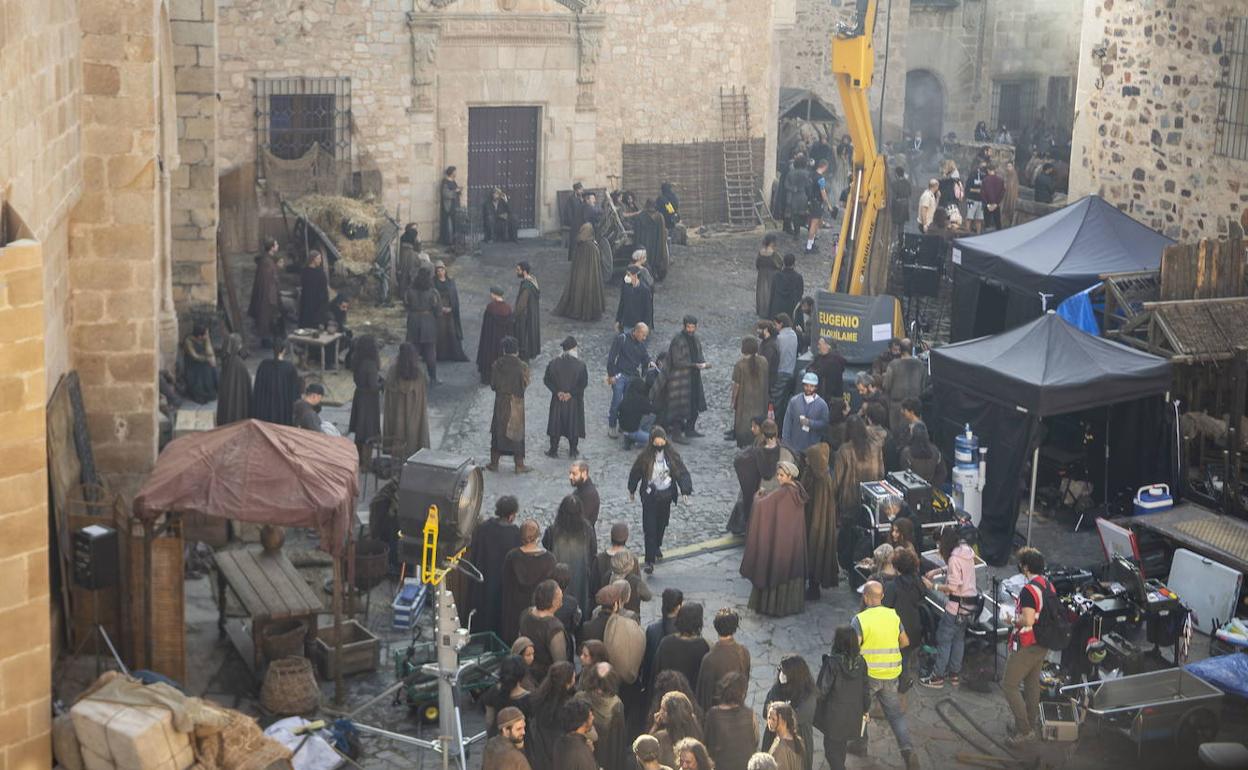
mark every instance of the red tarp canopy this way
{"type": "Point", "coordinates": [259, 472]}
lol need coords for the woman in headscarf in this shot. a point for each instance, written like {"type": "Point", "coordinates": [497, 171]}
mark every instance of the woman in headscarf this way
{"type": "Point", "coordinates": [366, 403]}
{"type": "Point", "coordinates": [234, 395]}
{"type": "Point", "coordinates": [450, 331]}
{"type": "Point", "coordinates": [582, 298]}
{"type": "Point", "coordinates": [775, 547]}
{"type": "Point", "coordinates": [313, 293]}
{"type": "Point", "coordinates": [823, 568]}
{"type": "Point", "coordinates": [405, 427]}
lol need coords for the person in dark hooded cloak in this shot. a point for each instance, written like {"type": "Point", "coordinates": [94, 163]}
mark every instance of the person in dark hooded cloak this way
{"type": "Point", "coordinates": [276, 389]}
{"type": "Point", "coordinates": [366, 403]}
{"type": "Point", "coordinates": [528, 312]}
{"type": "Point", "coordinates": [636, 302]}
{"type": "Point", "coordinates": [491, 542]}
{"type": "Point", "coordinates": [583, 299]}
{"type": "Point", "coordinates": [523, 569]}
{"type": "Point", "coordinates": [650, 233]}
{"type": "Point", "coordinates": [498, 322]}
{"type": "Point", "coordinates": [450, 330]}
{"type": "Point", "coordinates": [572, 541]}
{"type": "Point", "coordinates": [265, 307]}
{"type": "Point", "coordinates": [313, 293]}
{"type": "Point", "coordinates": [234, 394]}
{"type": "Point", "coordinates": [509, 378]}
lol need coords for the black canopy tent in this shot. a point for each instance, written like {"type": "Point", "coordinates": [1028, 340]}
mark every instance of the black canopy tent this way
{"type": "Point", "coordinates": [1002, 386]}
{"type": "Point", "coordinates": [1008, 277]}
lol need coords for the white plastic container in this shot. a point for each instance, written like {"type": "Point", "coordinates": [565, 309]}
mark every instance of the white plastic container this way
{"type": "Point", "coordinates": [1153, 498]}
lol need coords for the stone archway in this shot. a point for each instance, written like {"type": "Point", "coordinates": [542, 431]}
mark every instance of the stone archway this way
{"type": "Point", "coordinates": [925, 106]}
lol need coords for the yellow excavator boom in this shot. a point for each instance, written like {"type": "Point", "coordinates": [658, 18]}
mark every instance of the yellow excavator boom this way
{"type": "Point", "coordinates": [853, 63]}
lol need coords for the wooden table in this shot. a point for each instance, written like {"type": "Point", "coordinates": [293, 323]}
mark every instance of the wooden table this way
{"type": "Point", "coordinates": [321, 342]}
{"type": "Point", "coordinates": [270, 589]}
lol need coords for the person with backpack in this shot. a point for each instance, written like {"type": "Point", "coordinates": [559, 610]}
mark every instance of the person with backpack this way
{"type": "Point", "coordinates": [1040, 625]}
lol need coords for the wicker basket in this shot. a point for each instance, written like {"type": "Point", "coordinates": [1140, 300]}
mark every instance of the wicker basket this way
{"type": "Point", "coordinates": [372, 563]}
{"type": "Point", "coordinates": [290, 687]}
{"type": "Point", "coordinates": [284, 639]}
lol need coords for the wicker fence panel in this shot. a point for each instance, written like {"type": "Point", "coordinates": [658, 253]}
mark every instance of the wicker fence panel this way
{"type": "Point", "coordinates": [695, 168]}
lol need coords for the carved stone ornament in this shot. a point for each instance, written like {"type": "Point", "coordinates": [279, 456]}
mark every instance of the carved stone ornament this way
{"type": "Point", "coordinates": [425, 41]}
{"type": "Point", "coordinates": [589, 47]}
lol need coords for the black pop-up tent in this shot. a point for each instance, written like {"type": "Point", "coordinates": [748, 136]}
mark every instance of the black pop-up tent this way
{"type": "Point", "coordinates": [1002, 386]}
{"type": "Point", "coordinates": [1008, 277]}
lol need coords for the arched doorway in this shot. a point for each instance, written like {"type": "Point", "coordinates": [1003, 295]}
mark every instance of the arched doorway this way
{"type": "Point", "coordinates": [925, 106]}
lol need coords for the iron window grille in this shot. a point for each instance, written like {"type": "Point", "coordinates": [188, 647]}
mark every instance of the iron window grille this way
{"type": "Point", "coordinates": [1013, 103]}
{"type": "Point", "coordinates": [1232, 122]}
{"type": "Point", "coordinates": [295, 114]}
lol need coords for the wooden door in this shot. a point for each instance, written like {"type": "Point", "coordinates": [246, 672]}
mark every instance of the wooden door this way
{"type": "Point", "coordinates": [502, 152]}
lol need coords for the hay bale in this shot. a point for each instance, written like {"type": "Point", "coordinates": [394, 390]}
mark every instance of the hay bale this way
{"type": "Point", "coordinates": [332, 212]}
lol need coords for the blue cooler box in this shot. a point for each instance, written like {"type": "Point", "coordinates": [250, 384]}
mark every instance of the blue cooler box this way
{"type": "Point", "coordinates": [1153, 498]}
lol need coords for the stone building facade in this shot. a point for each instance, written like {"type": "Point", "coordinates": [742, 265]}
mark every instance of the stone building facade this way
{"type": "Point", "coordinates": [422, 82]}
{"type": "Point", "coordinates": [1162, 130]}
{"type": "Point", "coordinates": [950, 63]}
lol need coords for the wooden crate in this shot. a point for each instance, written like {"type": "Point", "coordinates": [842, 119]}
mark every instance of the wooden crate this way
{"type": "Point", "coordinates": [360, 650]}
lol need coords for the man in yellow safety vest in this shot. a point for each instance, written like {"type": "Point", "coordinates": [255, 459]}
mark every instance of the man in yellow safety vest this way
{"type": "Point", "coordinates": [882, 639]}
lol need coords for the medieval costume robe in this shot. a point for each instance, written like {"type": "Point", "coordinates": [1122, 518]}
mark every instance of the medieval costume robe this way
{"type": "Point", "coordinates": [234, 395]}
{"type": "Point", "coordinates": [199, 366]}
{"type": "Point", "coordinates": [755, 468]}
{"type": "Point", "coordinates": [724, 658]}
{"type": "Point", "coordinates": [583, 299]}
{"type": "Point", "coordinates": [313, 298]}
{"type": "Point", "coordinates": [775, 552]}
{"type": "Point", "coordinates": [821, 558]}
{"type": "Point", "coordinates": [573, 751]}
{"type": "Point", "coordinates": [685, 397]}
{"type": "Point", "coordinates": [491, 542]}
{"type": "Point", "coordinates": [611, 750]}
{"type": "Point", "coordinates": [574, 216]}
{"type": "Point", "coordinates": [528, 318]}
{"type": "Point", "coordinates": [501, 754]}
{"type": "Point", "coordinates": [577, 550]}
{"type": "Point", "coordinates": [636, 306]}
{"type": "Point", "coordinates": [265, 307]}
{"type": "Point", "coordinates": [366, 403]}
{"type": "Point", "coordinates": [566, 374]}
{"type": "Point", "coordinates": [749, 378]}
{"type": "Point", "coordinates": [423, 307]}
{"type": "Point", "coordinates": [831, 371]}
{"type": "Point", "coordinates": [405, 423]}
{"type": "Point", "coordinates": [275, 391]}
{"type": "Point", "coordinates": [786, 291]}
{"type": "Point", "coordinates": [509, 378]}
{"type": "Point", "coordinates": [768, 263]}
{"type": "Point", "coordinates": [496, 220]}
{"type": "Point", "coordinates": [450, 329]}
{"type": "Point", "coordinates": [905, 377]}
{"type": "Point", "coordinates": [848, 472]}
{"type": "Point", "coordinates": [522, 571]}
{"type": "Point", "coordinates": [496, 324]}
{"type": "Point", "coordinates": [448, 206]}
{"type": "Point", "coordinates": [650, 232]}
{"type": "Point", "coordinates": [587, 493]}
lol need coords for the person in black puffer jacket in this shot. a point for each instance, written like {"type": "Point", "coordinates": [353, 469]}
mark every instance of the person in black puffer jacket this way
{"type": "Point", "coordinates": [843, 696]}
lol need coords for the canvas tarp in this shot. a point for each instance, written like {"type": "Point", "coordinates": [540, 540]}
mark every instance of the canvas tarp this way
{"type": "Point", "coordinates": [1057, 255]}
{"type": "Point", "coordinates": [1003, 385]}
{"type": "Point", "coordinates": [259, 472]}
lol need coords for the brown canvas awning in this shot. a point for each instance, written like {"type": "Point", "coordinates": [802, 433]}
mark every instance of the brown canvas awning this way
{"type": "Point", "coordinates": [259, 472]}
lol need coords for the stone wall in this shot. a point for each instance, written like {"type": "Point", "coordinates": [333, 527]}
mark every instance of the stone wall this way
{"type": "Point", "coordinates": [1145, 134]}
{"type": "Point", "coordinates": [194, 177]}
{"type": "Point", "coordinates": [623, 71]}
{"type": "Point", "coordinates": [966, 45]}
{"type": "Point", "coordinates": [40, 180]}
{"type": "Point", "coordinates": [116, 232]}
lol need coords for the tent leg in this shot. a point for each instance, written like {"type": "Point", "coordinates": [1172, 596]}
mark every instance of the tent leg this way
{"type": "Point", "coordinates": [1031, 506]}
{"type": "Point", "coordinates": [148, 534]}
{"type": "Point", "coordinates": [339, 694]}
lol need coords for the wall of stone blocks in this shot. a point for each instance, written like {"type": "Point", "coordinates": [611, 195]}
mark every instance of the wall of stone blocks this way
{"type": "Point", "coordinates": [116, 236]}
{"type": "Point", "coordinates": [1146, 130]}
{"type": "Point", "coordinates": [194, 210]}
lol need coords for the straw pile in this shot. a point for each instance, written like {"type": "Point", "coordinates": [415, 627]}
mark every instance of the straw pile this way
{"type": "Point", "coordinates": [332, 212]}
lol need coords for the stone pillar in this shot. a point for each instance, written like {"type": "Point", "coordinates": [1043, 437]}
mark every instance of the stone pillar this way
{"type": "Point", "coordinates": [115, 237]}
{"type": "Point", "coordinates": [25, 636]}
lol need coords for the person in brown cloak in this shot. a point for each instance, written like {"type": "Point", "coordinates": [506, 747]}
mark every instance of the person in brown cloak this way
{"type": "Point", "coordinates": [509, 378]}
{"type": "Point", "coordinates": [265, 307]}
{"type": "Point", "coordinates": [821, 560]}
{"type": "Point", "coordinates": [685, 396]}
{"type": "Point", "coordinates": [566, 379]}
{"type": "Point", "coordinates": [582, 298]}
{"type": "Point", "coordinates": [276, 388]}
{"type": "Point", "coordinates": [523, 569]}
{"type": "Point", "coordinates": [423, 307]}
{"type": "Point", "coordinates": [492, 541]}
{"type": "Point", "coordinates": [727, 656]}
{"type": "Point", "coordinates": [755, 467]}
{"type": "Point", "coordinates": [650, 233]}
{"type": "Point", "coordinates": [528, 312]}
{"type": "Point", "coordinates": [749, 391]}
{"type": "Point", "coordinates": [234, 393]}
{"type": "Point", "coordinates": [574, 750]}
{"type": "Point", "coordinates": [768, 263]}
{"type": "Point", "coordinates": [611, 749]}
{"type": "Point", "coordinates": [450, 329]}
{"type": "Point", "coordinates": [366, 403]}
{"type": "Point", "coordinates": [496, 324]}
{"type": "Point", "coordinates": [775, 548]}
{"type": "Point", "coordinates": [505, 751]}
{"type": "Point", "coordinates": [405, 423]}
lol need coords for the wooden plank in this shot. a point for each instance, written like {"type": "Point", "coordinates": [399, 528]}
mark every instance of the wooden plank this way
{"type": "Point", "coordinates": [273, 605]}
{"type": "Point", "coordinates": [251, 600]}
{"type": "Point", "coordinates": [286, 584]}
{"type": "Point", "coordinates": [308, 595]}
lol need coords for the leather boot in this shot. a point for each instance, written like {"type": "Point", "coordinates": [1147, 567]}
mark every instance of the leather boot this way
{"type": "Point", "coordinates": [521, 467]}
{"type": "Point", "coordinates": [493, 466]}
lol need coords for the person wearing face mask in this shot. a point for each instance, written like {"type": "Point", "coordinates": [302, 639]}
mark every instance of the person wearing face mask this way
{"type": "Point", "coordinates": [661, 474]}
{"type": "Point", "coordinates": [566, 378]}
{"type": "Point", "coordinates": [806, 417]}
{"type": "Point", "coordinates": [636, 301]}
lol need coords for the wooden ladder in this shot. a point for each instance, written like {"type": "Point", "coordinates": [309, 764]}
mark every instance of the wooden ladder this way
{"type": "Point", "coordinates": [740, 183]}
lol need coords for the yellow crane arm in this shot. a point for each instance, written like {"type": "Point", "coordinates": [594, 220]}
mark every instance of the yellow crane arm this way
{"type": "Point", "coordinates": [853, 63]}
